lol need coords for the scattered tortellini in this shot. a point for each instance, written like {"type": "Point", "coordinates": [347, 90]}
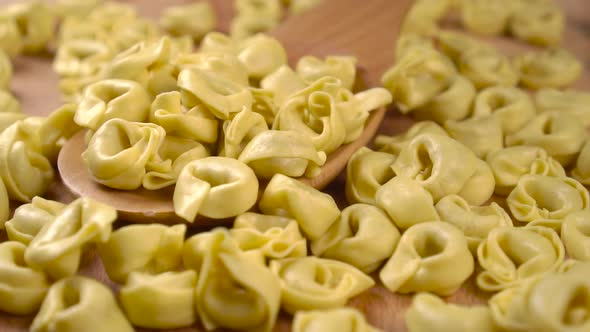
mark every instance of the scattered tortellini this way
{"type": "Point", "coordinates": [485, 66]}
{"type": "Point", "coordinates": [363, 236]}
{"type": "Point", "coordinates": [575, 234]}
{"type": "Point", "coordinates": [510, 256]}
{"type": "Point", "coordinates": [80, 304]}
{"type": "Point", "coordinates": [22, 289]}
{"type": "Point", "coordinates": [310, 68]}
{"type": "Point", "coordinates": [234, 290]}
{"type": "Point", "coordinates": [488, 17]}
{"type": "Point", "coordinates": [429, 313]}
{"type": "Point", "coordinates": [342, 319]}
{"type": "Point", "coordinates": [395, 144]}
{"type": "Point", "coordinates": [194, 20]}
{"type": "Point", "coordinates": [430, 257]}
{"type": "Point", "coordinates": [511, 106]}
{"type": "Point", "coordinates": [162, 301]}
{"type": "Point", "coordinates": [539, 23]}
{"type": "Point", "coordinates": [28, 219]}
{"type": "Point", "coordinates": [483, 135]}
{"type": "Point", "coordinates": [148, 249]}
{"type": "Point", "coordinates": [253, 16]}
{"type": "Point", "coordinates": [567, 101]}
{"type": "Point", "coordinates": [35, 22]}
{"type": "Point", "coordinates": [366, 172]}
{"type": "Point", "coordinates": [312, 283]}
{"type": "Point", "coordinates": [551, 68]}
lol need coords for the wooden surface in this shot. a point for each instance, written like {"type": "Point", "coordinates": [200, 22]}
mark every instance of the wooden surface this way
{"type": "Point", "coordinates": [36, 85]}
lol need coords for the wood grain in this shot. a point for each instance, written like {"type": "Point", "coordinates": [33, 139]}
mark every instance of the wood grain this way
{"type": "Point", "coordinates": [36, 86]}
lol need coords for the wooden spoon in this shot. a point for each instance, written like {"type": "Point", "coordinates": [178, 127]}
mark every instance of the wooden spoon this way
{"type": "Point", "coordinates": [336, 27]}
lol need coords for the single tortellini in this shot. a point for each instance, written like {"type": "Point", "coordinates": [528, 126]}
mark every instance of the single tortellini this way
{"type": "Point", "coordinates": [418, 77]}
{"type": "Point", "coordinates": [511, 106]}
{"type": "Point", "coordinates": [575, 234]}
{"type": "Point", "coordinates": [261, 55]}
{"type": "Point", "coordinates": [510, 164]}
{"type": "Point", "coordinates": [430, 257]}
{"type": "Point", "coordinates": [555, 302]}
{"type": "Point", "coordinates": [286, 152]}
{"type": "Point", "coordinates": [567, 101]}
{"type": "Point", "coordinates": [581, 172]}
{"type": "Point", "coordinates": [283, 82]}
{"type": "Point", "coordinates": [454, 103]}
{"type": "Point", "coordinates": [28, 219]}
{"type": "Point", "coordinates": [485, 66]}
{"type": "Point", "coordinates": [195, 20]}
{"type": "Point", "coordinates": [222, 97]}
{"type": "Point", "coordinates": [444, 166]}
{"type": "Point", "coordinates": [363, 237]}
{"type": "Point", "coordinates": [297, 7]}
{"type": "Point", "coordinates": [313, 210]}
{"type": "Point", "coordinates": [312, 283]}
{"type": "Point", "coordinates": [22, 288]}
{"type": "Point", "coordinates": [162, 301]}
{"type": "Point", "coordinates": [5, 71]}
{"type": "Point", "coordinates": [80, 304]}
{"type": "Point", "coordinates": [366, 172]}
{"type": "Point", "coordinates": [56, 129]}
{"type": "Point", "coordinates": [11, 41]}
{"type": "Point", "coordinates": [240, 130]}
{"type": "Point", "coordinates": [483, 135]}
{"type": "Point", "coordinates": [512, 255]}
{"type": "Point", "coordinates": [454, 43]}
{"type": "Point", "coordinates": [540, 24]}
{"type": "Point", "coordinates": [149, 249]}
{"type": "Point", "coordinates": [264, 104]}
{"type": "Point", "coordinates": [205, 186]}
{"type": "Point", "coordinates": [408, 41]}
{"type": "Point", "coordinates": [543, 197]}
{"type": "Point", "coordinates": [35, 22]}
{"type": "Point", "coordinates": [57, 248]}
{"type": "Point", "coordinates": [81, 57]}
{"type": "Point", "coordinates": [562, 135]}
{"type": "Point", "coordinates": [475, 221]}
{"type": "Point", "coordinates": [551, 68]}
{"type": "Point", "coordinates": [234, 290]}
{"type": "Point", "coordinates": [275, 236]}
{"type": "Point", "coordinates": [118, 152]}
{"type": "Point", "coordinates": [110, 99]}
{"type": "Point", "coordinates": [222, 67]}
{"type": "Point", "coordinates": [488, 17]}
{"type": "Point", "coordinates": [340, 319]}
{"type": "Point", "coordinates": [406, 202]}
{"type": "Point", "coordinates": [25, 171]}
{"type": "Point", "coordinates": [429, 313]}
{"type": "Point", "coordinates": [311, 68]}
{"type": "Point", "coordinates": [395, 144]}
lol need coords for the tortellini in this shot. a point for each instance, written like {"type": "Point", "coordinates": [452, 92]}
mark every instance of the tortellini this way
{"type": "Point", "coordinates": [366, 172]}
{"type": "Point", "coordinates": [542, 197]}
{"type": "Point", "coordinates": [253, 16]}
{"type": "Point", "coordinates": [363, 236]}
{"type": "Point", "coordinates": [454, 103]}
{"type": "Point", "coordinates": [285, 152]}
{"type": "Point", "coordinates": [511, 106]}
{"type": "Point", "coordinates": [11, 42]}
{"type": "Point", "coordinates": [142, 248]}
{"type": "Point", "coordinates": [4, 205]}
{"type": "Point", "coordinates": [510, 164]}
{"type": "Point", "coordinates": [110, 99]}
{"type": "Point", "coordinates": [552, 68]}
{"type": "Point", "coordinates": [312, 283]}
{"type": "Point", "coordinates": [119, 151]}
{"type": "Point", "coordinates": [483, 135]}
{"type": "Point", "coordinates": [562, 135]}
{"type": "Point", "coordinates": [429, 313]}
{"type": "Point", "coordinates": [163, 301]}
{"type": "Point", "coordinates": [341, 319]}
{"type": "Point", "coordinates": [408, 41]}
{"type": "Point", "coordinates": [261, 54]}
{"type": "Point", "coordinates": [283, 82]}
{"type": "Point", "coordinates": [275, 236]}
{"type": "Point", "coordinates": [395, 144]}
{"type": "Point", "coordinates": [430, 257]}
{"type": "Point", "coordinates": [512, 255]}
{"type": "Point", "coordinates": [205, 186]}
{"type": "Point", "coordinates": [81, 57]}
{"type": "Point", "coordinates": [488, 17]}
{"type": "Point", "coordinates": [418, 77]}
{"type": "Point", "coordinates": [77, 8]}
{"type": "Point", "coordinates": [475, 221]}
{"type": "Point", "coordinates": [310, 69]}
{"type": "Point", "coordinates": [239, 131]}
{"type": "Point", "coordinates": [556, 302]}
{"type": "Point", "coordinates": [575, 234]}
{"type": "Point", "coordinates": [567, 101]}
{"type": "Point", "coordinates": [28, 219]}
{"type": "Point", "coordinates": [444, 166]}
{"type": "Point", "coordinates": [80, 304]}
{"type": "Point", "coordinates": [541, 24]}
{"type": "Point", "coordinates": [35, 22]}
{"type": "Point", "coordinates": [22, 288]}
{"type": "Point", "coordinates": [297, 7]}
{"type": "Point", "coordinates": [194, 20]}
{"type": "Point", "coordinates": [314, 210]}
{"type": "Point", "coordinates": [485, 66]}
{"type": "Point", "coordinates": [57, 247]}
{"type": "Point", "coordinates": [25, 171]}
{"type": "Point", "coordinates": [581, 171]}
{"type": "Point", "coordinates": [5, 71]}
{"type": "Point", "coordinates": [234, 290]}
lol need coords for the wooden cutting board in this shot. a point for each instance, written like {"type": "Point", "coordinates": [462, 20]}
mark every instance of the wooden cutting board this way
{"type": "Point", "coordinates": [35, 84]}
